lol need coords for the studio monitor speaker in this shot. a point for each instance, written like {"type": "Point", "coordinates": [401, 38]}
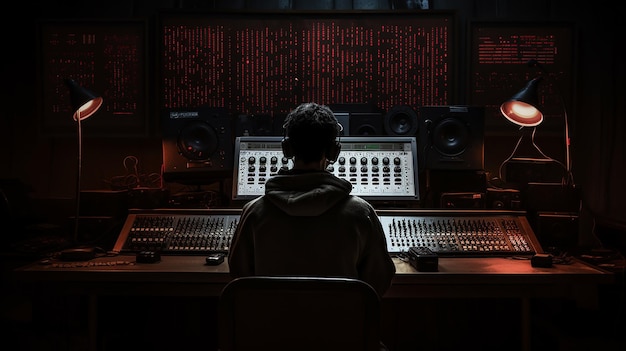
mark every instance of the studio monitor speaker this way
{"type": "Point", "coordinates": [452, 137]}
{"type": "Point", "coordinates": [401, 120]}
{"type": "Point", "coordinates": [197, 145]}
{"type": "Point", "coordinates": [366, 124]}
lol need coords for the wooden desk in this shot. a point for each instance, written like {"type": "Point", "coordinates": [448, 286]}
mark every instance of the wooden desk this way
{"type": "Point", "coordinates": [494, 277]}
{"type": "Point", "coordinates": [188, 275]}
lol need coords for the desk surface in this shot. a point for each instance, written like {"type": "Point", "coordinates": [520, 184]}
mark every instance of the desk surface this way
{"type": "Point", "coordinates": [189, 275]}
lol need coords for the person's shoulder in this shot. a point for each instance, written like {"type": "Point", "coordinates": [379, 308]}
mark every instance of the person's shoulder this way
{"type": "Point", "coordinates": [354, 202]}
{"type": "Point", "coordinates": [254, 204]}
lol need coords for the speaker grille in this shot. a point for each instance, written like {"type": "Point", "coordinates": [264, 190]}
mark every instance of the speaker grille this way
{"type": "Point", "coordinates": [452, 137]}
{"type": "Point", "coordinates": [401, 121]}
{"type": "Point", "coordinates": [197, 145]}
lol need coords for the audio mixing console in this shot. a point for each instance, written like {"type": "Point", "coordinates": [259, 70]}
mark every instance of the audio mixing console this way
{"type": "Point", "coordinates": [445, 232]}
{"type": "Point", "coordinates": [460, 233]}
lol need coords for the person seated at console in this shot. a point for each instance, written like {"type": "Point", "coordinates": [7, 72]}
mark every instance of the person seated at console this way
{"type": "Point", "coordinates": [307, 223]}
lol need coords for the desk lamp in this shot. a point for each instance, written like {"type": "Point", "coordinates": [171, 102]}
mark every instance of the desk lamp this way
{"type": "Point", "coordinates": [84, 104]}
{"type": "Point", "coordinates": [521, 109]}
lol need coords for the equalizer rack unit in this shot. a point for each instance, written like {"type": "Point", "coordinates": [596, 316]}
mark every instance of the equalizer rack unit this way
{"type": "Point", "coordinates": [379, 168]}
{"type": "Point", "coordinates": [448, 233]}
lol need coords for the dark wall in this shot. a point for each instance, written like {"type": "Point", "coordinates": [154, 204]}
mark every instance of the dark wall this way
{"type": "Point", "coordinates": [47, 164]}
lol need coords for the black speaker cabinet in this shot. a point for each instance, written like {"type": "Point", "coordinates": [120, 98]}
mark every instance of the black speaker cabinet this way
{"type": "Point", "coordinates": [344, 119]}
{"type": "Point", "coordinates": [551, 197]}
{"type": "Point", "coordinates": [452, 137]}
{"type": "Point", "coordinates": [401, 120]}
{"type": "Point", "coordinates": [366, 124]}
{"type": "Point", "coordinates": [197, 145]}
{"type": "Point", "coordinates": [557, 231]}
{"type": "Point", "coordinates": [253, 125]}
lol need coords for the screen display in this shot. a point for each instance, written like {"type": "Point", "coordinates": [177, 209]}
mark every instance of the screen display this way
{"type": "Point", "coordinates": [255, 63]}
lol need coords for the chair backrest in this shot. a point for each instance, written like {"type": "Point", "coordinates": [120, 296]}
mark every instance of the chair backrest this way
{"type": "Point", "coordinates": [298, 313]}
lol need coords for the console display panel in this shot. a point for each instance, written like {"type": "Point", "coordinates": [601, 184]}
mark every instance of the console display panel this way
{"type": "Point", "coordinates": [267, 63]}
{"type": "Point", "coordinates": [379, 168]}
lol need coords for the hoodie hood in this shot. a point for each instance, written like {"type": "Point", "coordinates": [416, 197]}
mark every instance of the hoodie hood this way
{"type": "Point", "coordinates": [306, 194]}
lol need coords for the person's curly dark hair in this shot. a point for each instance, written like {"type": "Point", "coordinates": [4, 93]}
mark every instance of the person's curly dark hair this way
{"type": "Point", "coordinates": [312, 129]}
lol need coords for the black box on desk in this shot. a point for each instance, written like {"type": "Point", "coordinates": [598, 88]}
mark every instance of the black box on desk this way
{"type": "Point", "coordinates": [423, 259]}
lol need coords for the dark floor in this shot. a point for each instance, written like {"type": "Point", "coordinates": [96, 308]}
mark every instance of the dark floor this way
{"type": "Point", "coordinates": [182, 323]}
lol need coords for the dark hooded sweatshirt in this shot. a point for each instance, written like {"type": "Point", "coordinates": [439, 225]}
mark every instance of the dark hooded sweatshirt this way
{"type": "Point", "coordinates": [308, 224]}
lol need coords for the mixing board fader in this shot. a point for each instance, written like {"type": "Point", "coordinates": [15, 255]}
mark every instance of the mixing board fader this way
{"type": "Point", "coordinates": [448, 233]}
{"type": "Point", "coordinates": [458, 234]}
{"type": "Point", "coordinates": [177, 234]}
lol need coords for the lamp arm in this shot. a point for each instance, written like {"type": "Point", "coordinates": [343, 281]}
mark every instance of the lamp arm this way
{"type": "Point", "coordinates": [78, 177]}
{"type": "Point", "coordinates": [568, 161]}
{"type": "Point", "coordinates": [519, 140]}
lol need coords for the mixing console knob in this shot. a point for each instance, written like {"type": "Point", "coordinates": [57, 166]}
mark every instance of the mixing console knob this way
{"type": "Point", "coordinates": [352, 160]}
{"type": "Point", "coordinates": [375, 169]}
{"type": "Point", "coordinates": [363, 169]}
{"type": "Point", "coordinates": [251, 160]}
{"type": "Point", "coordinates": [352, 169]}
{"type": "Point", "coordinates": [274, 160]}
{"type": "Point", "coordinates": [263, 159]}
{"type": "Point", "coordinates": [273, 169]}
{"type": "Point", "coordinates": [363, 160]}
{"type": "Point", "coordinates": [342, 169]}
{"type": "Point", "coordinates": [342, 160]}
{"type": "Point", "coordinates": [285, 160]}
{"type": "Point", "coordinates": [374, 160]}
{"type": "Point", "coordinates": [251, 169]}
{"type": "Point", "coordinates": [396, 161]}
{"type": "Point", "coordinates": [385, 160]}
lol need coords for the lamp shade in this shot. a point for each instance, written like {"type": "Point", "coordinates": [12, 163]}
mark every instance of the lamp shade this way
{"type": "Point", "coordinates": [521, 108]}
{"type": "Point", "coordinates": [84, 102]}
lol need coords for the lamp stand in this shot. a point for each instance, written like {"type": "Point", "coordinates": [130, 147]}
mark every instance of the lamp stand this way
{"type": "Point", "coordinates": [78, 179]}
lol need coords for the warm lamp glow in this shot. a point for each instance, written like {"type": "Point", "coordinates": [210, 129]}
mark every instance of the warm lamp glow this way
{"type": "Point", "coordinates": [87, 109]}
{"type": "Point", "coordinates": [84, 102]}
{"type": "Point", "coordinates": [521, 113]}
{"type": "Point", "coordinates": [521, 108]}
